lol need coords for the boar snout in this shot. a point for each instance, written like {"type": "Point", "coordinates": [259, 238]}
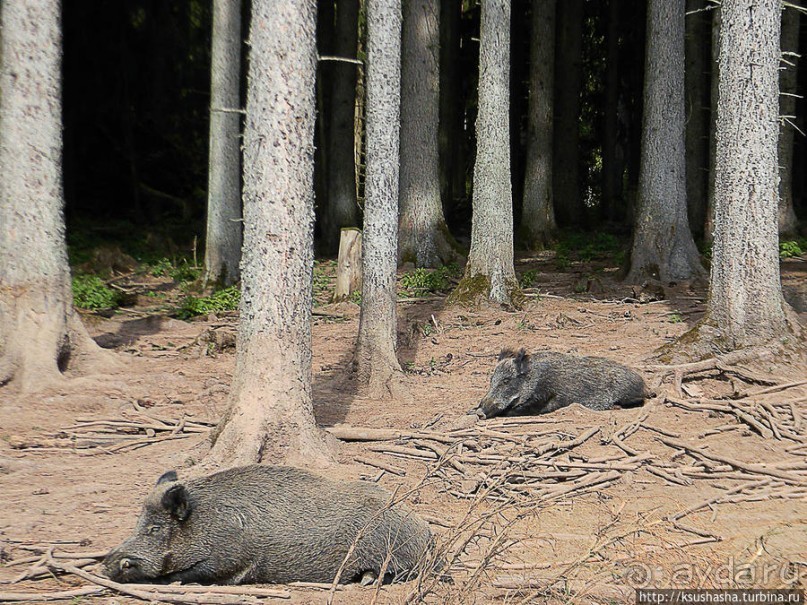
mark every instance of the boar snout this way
{"type": "Point", "coordinates": [124, 567]}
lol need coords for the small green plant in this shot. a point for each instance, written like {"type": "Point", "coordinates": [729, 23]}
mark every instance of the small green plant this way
{"type": "Point", "coordinates": [161, 267]}
{"type": "Point", "coordinates": [675, 318]}
{"type": "Point", "coordinates": [321, 280]}
{"type": "Point", "coordinates": [527, 279]}
{"type": "Point", "coordinates": [562, 261]}
{"type": "Point", "coordinates": [427, 329]}
{"type": "Point", "coordinates": [790, 249]}
{"type": "Point", "coordinates": [90, 292]}
{"type": "Point", "coordinates": [223, 300]}
{"type": "Point", "coordinates": [421, 282]}
{"type": "Point", "coordinates": [185, 272]}
{"type": "Point", "coordinates": [355, 297]}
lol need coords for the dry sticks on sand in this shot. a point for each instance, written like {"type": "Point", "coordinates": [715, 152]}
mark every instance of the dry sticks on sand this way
{"type": "Point", "coordinates": [106, 436]}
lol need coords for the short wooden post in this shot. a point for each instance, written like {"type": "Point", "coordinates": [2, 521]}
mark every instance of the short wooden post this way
{"type": "Point", "coordinates": [348, 269]}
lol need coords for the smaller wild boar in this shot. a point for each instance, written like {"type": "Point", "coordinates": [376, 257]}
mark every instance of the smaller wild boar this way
{"type": "Point", "coordinates": [548, 381]}
{"type": "Point", "coordinates": [272, 524]}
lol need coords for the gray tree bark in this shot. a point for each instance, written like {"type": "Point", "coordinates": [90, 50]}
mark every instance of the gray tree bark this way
{"type": "Point", "coordinates": [41, 335]}
{"type": "Point", "coordinates": [697, 113]}
{"type": "Point", "coordinates": [568, 80]}
{"type": "Point", "coordinates": [376, 361]}
{"type": "Point", "coordinates": [489, 273]}
{"type": "Point", "coordinates": [745, 294]}
{"type": "Point", "coordinates": [788, 76]}
{"type": "Point", "coordinates": [709, 222]}
{"type": "Point", "coordinates": [452, 177]}
{"type": "Point", "coordinates": [663, 247]}
{"type": "Point", "coordinates": [224, 225]}
{"type": "Point", "coordinates": [424, 238]}
{"type": "Point", "coordinates": [343, 209]}
{"type": "Point", "coordinates": [613, 163]}
{"type": "Point", "coordinates": [271, 413]}
{"type": "Point", "coordinates": [538, 218]}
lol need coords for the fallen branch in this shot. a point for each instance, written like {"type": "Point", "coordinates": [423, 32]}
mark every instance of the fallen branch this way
{"type": "Point", "coordinates": [199, 595]}
{"type": "Point", "coordinates": [751, 468]}
{"type": "Point", "coordinates": [36, 597]}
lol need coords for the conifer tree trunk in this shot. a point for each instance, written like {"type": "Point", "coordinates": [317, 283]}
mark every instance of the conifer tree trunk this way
{"type": "Point", "coordinates": [745, 295]}
{"type": "Point", "coordinates": [489, 273]}
{"type": "Point", "coordinates": [697, 112]}
{"type": "Point", "coordinates": [343, 210]}
{"type": "Point", "coordinates": [788, 77]}
{"type": "Point", "coordinates": [376, 361]}
{"type": "Point", "coordinates": [224, 225]}
{"type": "Point", "coordinates": [451, 104]}
{"type": "Point", "coordinates": [423, 236]}
{"type": "Point", "coordinates": [709, 222]}
{"type": "Point", "coordinates": [569, 205]}
{"type": "Point", "coordinates": [612, 165]}
{"type": "Point", "coordinates": [538, 217]}
{"type": "Point", "coordinates": [663, 247]}
{"type": "Point", "coordinates": [271, 413]}
{"type": "Point", "coordinates": [41, 335]}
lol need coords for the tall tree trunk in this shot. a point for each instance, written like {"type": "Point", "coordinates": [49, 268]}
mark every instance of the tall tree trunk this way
{"type": "Point", "coordinates": [423, 236]}
{"type": "Point", "coordinates": [343, 210]}
{"type": "Point", "coordinates": [697, 112]}
{"type": "Point", "coordinates": [41, 335]}
{"type": "Point", "coordinates": [223, 245]}
{"type": "Point", "coordinates": [451, 111]}
{"type": "Point", "coordinates": [788, 76]}
{"type": "Point", "coordinates": [538, 215]}
{"type": "Point", "coordinates": [568, 80]}
{"type": "Point", "coordinates": [612, 165]}
{"type": "Point", "coordinates": [271, 413]}
{"type": "Point", "coordinates": [663, 247]}
{"type": "Point", "coordinates": [745, 294]}
{"type": "Point", "coordinates": [376, 361]}
{"type": "Point", "coordinates": [489, 273]}
{"type": "Point", "coordinates": [709, 222]}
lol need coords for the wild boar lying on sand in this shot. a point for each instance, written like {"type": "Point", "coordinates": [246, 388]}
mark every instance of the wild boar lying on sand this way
{"type": "Point", "coordinates": [257, 524]}
{"type": "Point", "coordinates": [547, 381]}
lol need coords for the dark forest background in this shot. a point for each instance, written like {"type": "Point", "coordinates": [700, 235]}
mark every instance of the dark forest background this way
{"type": "Point", "coordinates": [136, 98]}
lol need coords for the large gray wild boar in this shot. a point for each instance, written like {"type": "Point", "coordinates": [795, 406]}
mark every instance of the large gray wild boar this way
{"type": "Point", "coordinates": [547, 381]}
{"type": "Point", "coordinates": [268, 524]}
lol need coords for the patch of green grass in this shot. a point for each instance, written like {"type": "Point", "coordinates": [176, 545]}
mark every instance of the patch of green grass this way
{"type": "Point", "coordinates": [90, 292]}
{"type": "Point", "coordinates": [675, 318]}
{"type": "Point", "coordinates": [527, 279]}
{"type": "Point", "coordinates": [355, 297]}
{"type": "Point", "coordinates": [181, 271]}
{"type": "Point", "coordinates": [421, 282]}
{"type": "Point", "coordinates": [223, 300]}
{"type": "Point", "coordinates": [562, 261]}
{"type": "Point", "coordinates": [322, 281]}
{"type": "Point", "coordinates": [185, 272]}
{"type": "Point", "coordinates": [161, 267]}
{"type": "Point", "coordinates": [791, 249]}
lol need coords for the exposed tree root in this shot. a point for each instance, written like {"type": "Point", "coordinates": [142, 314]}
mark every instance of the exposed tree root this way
{"type": "Point", "coordinates": [258, 428]}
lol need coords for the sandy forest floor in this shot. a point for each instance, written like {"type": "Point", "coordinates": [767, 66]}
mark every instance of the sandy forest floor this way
{"type": "Point", "coordinates": [702, 487]}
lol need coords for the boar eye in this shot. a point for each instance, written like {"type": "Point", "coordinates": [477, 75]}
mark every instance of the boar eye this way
{"type": "Point", "coordinates": [154, 529]}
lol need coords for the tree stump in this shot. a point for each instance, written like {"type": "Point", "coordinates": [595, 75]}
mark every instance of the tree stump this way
{"type": "Point", "coordinates": [348, 269]}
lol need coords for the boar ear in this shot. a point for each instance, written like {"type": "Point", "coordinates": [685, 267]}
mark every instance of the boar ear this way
{"type": "Point", "coordinates": [522, 360]}
{"type": "Point", "coordinates": [167, 477]}
{"type": "Point", "coordinates": [505, 353]}
{"type": "Point", "coordinates": [175, 501]}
